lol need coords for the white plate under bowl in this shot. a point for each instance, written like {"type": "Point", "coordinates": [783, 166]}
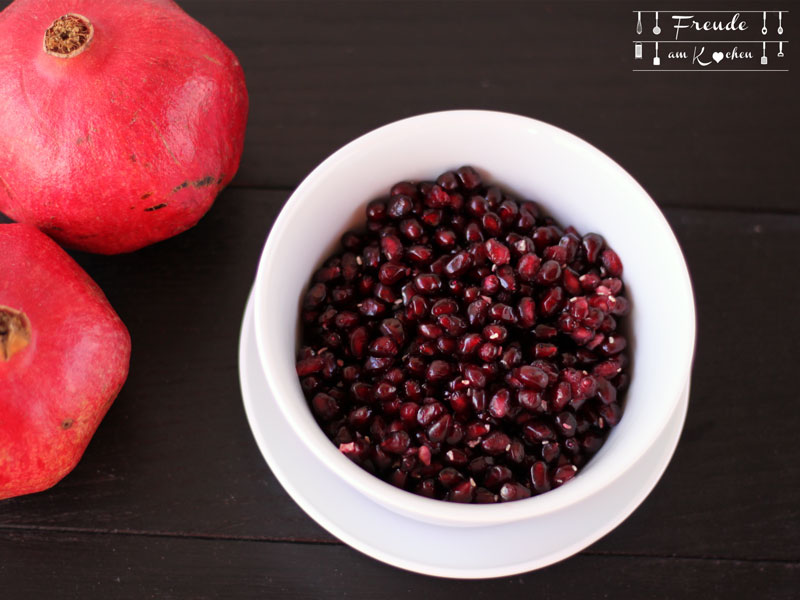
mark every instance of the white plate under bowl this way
{"type": "Point", "coordinates": [434, 549]}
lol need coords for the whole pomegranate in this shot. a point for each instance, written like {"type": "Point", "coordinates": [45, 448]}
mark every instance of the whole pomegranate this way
{"type": "Point", "coordinates": [119, 121]}
{"type": "Point", "coordinates": [64, 356]}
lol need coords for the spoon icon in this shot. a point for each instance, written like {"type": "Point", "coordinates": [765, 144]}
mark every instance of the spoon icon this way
{"type": "Point", "coordinates": [639, 24]}
{"type": "Point", "coordinates": [657, 29]}
{"type": "Point", "coordinates": [780, 23]}
{"type": "Point", "coordinates": [764, 28]}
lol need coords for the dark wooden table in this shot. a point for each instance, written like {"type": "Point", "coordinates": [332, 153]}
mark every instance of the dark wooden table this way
{"type": "Point", "coordinates": [173, 499]}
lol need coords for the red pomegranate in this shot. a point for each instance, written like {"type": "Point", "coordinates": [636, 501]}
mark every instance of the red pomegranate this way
{"type": "Point", "coordinates": [64, 356]}
{"type": "Point", "coordinates": [119, 121]}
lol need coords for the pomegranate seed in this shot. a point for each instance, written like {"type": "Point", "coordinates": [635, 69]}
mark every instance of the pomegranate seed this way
{"type": "Point", "coordinates": [376, 210]}
{"type": "Point", "coordinates": [469, 178]}
{"type": "Point", "coordinates": [439, 429]}
{"type": "Point", "coordinates": [613, 344]}
{"type": "Point", "coordinates": [492, 224]}
{"type": "Point", "coordinates": [399, 206]}
{"type": "Point", "coordinates": [391, 273]}
{"type": "Point", "coordinates": [563, 474]}
{"type": "Point", "coordinates": [383, 346]}
{"type": "Point", "coordinates": [502, 312]}
{"type": "Point", "coordinates": [475, 376]}
{"type": "Point", "coordinates": [436, 197]}
{"type": "Point", "coordinates": [438, 370]}
{"type": "Point", "coordinates": [484, 496]}
{"type": "Point", "coordinates": [308, 366]}
{"type": "Point", "coordinates": [385, 391]}
{"type": "Point", "coordinates": [552, 301]}
{"type": "Point", "coordinates": [448, 181]}
{"type": "Point", "coordinates": [497, 252]}
{"type": "Point", "coordinates": [500, 403]}
{"type": "Point", "coordinates": [495, 443]}
{"type": "Point", "coordinates": [530, 400]}
{"type": "Point", "coordinates": [450, 477]}
{"type": "Point", "coordinates": [593, 244]}
{"type": "Point", "coordinates": [396, 442]}
{"type": "Point", "coordinates": [528, 266]}
{"type": "Point", "coordinates": [392, 247]}
{"type": "Point", "coordinates": [488, 352]}
{"type": "Point", "coordinates": [532, 377]}
{"type": "Point", "coordinates": [557, 254]}
{"type": "Point", "coordinates": [427, 488]}
{"type": "Point", "coordinates": [545, 350]}
{"type": "Point", "coordinates": [514, 491]}
{"type": "Point", "coordinates": [419, 254]}
{"type": "Point", "coordinates": [550, 451]}
{"type": "Point", "coordinates": [611, 262]}
{"type": "Point", "coordinates": [462, 492]}
{"type": "Point", "coordinates": [325, 406]}
{"type": "Point", "coordinates": [539, 477]}
{"type": "Point", "coordinates": [496, 476]}
{"type": "Point", "coordinates": [538, 431]}
{"type": "Point", "coordinates": [428, 283]}
{"type": "Point", "coordinates": [566, 424]}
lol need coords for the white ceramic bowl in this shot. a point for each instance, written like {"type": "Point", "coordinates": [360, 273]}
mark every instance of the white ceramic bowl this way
{"type": "Point", "coordinates": [574, 182]}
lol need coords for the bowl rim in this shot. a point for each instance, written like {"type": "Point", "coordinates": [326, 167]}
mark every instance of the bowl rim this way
{"type": "Point", "coordinates": [380, 491]}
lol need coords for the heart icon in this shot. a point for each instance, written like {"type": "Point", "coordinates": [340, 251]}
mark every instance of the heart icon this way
{"type": "Point", "coordinates": [717, 56]}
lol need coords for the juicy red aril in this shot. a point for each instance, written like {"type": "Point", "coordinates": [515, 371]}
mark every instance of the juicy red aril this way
{"type": "Point", "coordinates": [396, 442]}
{"type": "Point", "coordinates": [324, 405]}
{"type": "Point", "coordinates": [450, 477]}
{"type": "Point", "coordinates": [528, 266]}
{"type": "Point", "coordinates": [566, 423]}
{"type": "Point", "coordinates": [495, 443]}
{"type": "Point", "coordinates": [614, 344]}
{"type": "Point", "coordinates": [539, 477]}
{"type": "Point", "coordinates": [464, 346]}
{"type": "Point", "coordinates": [538, 431]}
{"type": "Point", "coordinates": [462, 492]}
{"type": "Point", "coordinates": [383, 346]}
{"type": "Point", "coordinates": [500, 403]}
{"type": "Point", "coordinates": [611, 262]}
{"type": "Point", "coordinates": [437, 197]}
{"type": "Point", "coordinates": [514, 491]}
{"type": "Point", "coordinates": [496, 476]}
{"type": "Point", "coordinates": [307, 366]}
{"type": "Point", "coordinates": [492, 224]}
{"type": "Point", "coordinates": [438, 370]}
{"type": "Point", "coordinates": [498, 252]}
{"type": "Point", "coordinates": [399, 206]}
{"type": "Point", "coordinates": [552, 301]}
{"type": "Point", "coordinates": [592, 244]}
{"type": "Point", "coordinates": [563, 474]}
{"type": "Point", "coordinates": [469, 178]}
{"type": "Point", "coordinates": [428, 283]}
{"type": "Point", "coordinates": [532, 377]}
{"type": "Point", "coordinates": [502, 312]}
{"type": "Point", "coordinates": [392, 247]}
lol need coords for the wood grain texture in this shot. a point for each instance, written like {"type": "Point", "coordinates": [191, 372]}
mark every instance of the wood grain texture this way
{"type": "Point", "coordinates": [175, 455]}
{"type": "Point", "coordinates": [322, 73]}
{"type": "Point", "coordinates": [139, 567]}
{"type": "Point", "coordinates": [172, 498]}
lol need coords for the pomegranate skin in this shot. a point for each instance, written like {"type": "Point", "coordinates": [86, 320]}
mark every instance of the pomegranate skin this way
{"type": "Point", "coordinates": [127, 142]}
{"type": "Point", "coordinates": [55, 390]}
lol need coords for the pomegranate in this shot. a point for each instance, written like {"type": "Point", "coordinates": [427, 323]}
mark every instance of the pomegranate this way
{"type": "Point", "coordinates": [64, 356]}
{"type": "Point", "coordinates": [119, 121]}
{"type": "Point", "coordinates": [465, 346]}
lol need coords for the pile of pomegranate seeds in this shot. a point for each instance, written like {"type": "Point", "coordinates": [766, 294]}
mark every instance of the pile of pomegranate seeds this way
{"type": "Point", "coordinates": [465, 347]}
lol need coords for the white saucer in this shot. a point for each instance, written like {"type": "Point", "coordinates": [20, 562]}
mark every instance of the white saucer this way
{"type": "Point", "coordinates": [468, 553]}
